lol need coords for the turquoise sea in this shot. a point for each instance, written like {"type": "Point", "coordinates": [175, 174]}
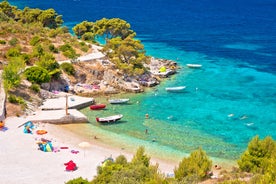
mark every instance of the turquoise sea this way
{"type": "Point", "coordinates": [226, 102]}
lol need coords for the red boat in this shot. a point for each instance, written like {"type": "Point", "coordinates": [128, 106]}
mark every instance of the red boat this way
{"type": "Point", "coordinates": [97, 106]}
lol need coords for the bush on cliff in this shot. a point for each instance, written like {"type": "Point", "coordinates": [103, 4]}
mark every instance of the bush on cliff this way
{"type": "Point", "coordinates": [68, 68]}
{"type": "Point", "coordinates": [195, 167]}
{"type": "Point", "coordinates": [260, 158]}
{"type": "Point", "coordinates": [137, 171]}
{"type": "Point", "coordinates": [37, 75]}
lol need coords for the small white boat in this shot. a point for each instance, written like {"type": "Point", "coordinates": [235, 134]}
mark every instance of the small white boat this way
{"type": "Point", "coordinates": [175, 89]}
{"type": "Point", "coordinates": [118, 101]}
{"type": "Point", "coordinates": [194, 65]}
{"type": "Point", "coordinates": [108, 119]}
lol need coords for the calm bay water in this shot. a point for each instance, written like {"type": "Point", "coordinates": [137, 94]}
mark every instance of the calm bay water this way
{"type": "Point", "coordinates": [226, 102]}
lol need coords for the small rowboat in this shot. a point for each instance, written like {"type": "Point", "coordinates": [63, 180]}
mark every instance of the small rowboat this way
{"type": "Point", "coordinates": [97, 106]}
{"type": "Point", "coordinates": [108, 119]}
{"type": "Point", "coordinates": [176, 89]}
{"type": "Point", "coordinates": [194, 65]}
{"type": "Point", "coordinates": [119, 101]}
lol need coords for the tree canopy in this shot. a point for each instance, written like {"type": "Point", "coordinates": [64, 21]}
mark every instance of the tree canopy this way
{"type": "Point", "coordinates": [107, 28]}
{"type": "Point", "coordinates": [12, 71]}
{"type": "Point", "coordinates": [47, 18]}
{"type": "Point", "coordinates": [137, 171]}
{"type": "Point", "coordinates": [82, 28]}
{"type": "Point", "coordinates": [258, 156]}
{"type": "Point", "coordinates": [112, 28]}
{"type": "Point", "coordinates": [37, 75]}
{"type": "Point", "coordinates": [128, 54]}
{"type": "Point", "coordinates": [196, 166]}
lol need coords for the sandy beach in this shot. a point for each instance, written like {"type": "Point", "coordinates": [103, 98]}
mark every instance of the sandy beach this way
{"type": "Point", "coordinates": [22, 161]}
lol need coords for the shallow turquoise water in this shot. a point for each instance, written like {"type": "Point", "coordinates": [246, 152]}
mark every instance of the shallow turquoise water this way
{"type": "Point", "coordinates": [224, 105]}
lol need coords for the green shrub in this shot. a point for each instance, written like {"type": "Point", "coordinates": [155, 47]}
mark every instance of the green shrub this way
{"type": "Point", "coordinates": [84, 48]}
{"type": "Point", "coordinates": [13, 41]}
{"type": "Point", "coordinates": [13, 52]}
{"type": "Point", "coordinates": [258, 156]}
{"type": "Point", "coordinates": [68, 68]}
{"type": "Point", "coordinates": [137, 171]}
{"type": "Point", "coordinates": [79, 180]}
{"type": "Point", "coordinates": [234, 182]}
{"type": "Point", "coordinates": [53, 49]}
{"type": "Point", "coordinates": [70, 54]}
{"type": "Point", "coordinates": [11, 73]}
{"type": "Point", "coordinates": [53, 33]}
{"type": "Point", "coordinates": [65, 47]}
{"type": "Point", "coordinates": [35, 88]}
{"type": "Point", "coordinates": [55, 74]}
{"type": "Point", "coordinates": [2, 42]}
{"type": "Point", "coordinates": [37, 75]}
{"type": "Point", "coordinates": [195, 166]}
{"type": "Point", "coordinates": [12, 99]}
{"type": "Point", "coordinates": [38, 51]}
{"type": "Point", "coordinates": [82, 43]}
{"type": "Point", "coordinates": [48, 62]}
{"type": "Point", "coordinates": [26, 58]}
{"type": "Point", "coordinates": [35, 40]}
{"type": "Point", "coordinates": [68, 51]}
{"type": "Point", "coordinates": [16, 99]}
{"type": "Point", "coordinates": [88, 36]}
{"type": "Point", "coordinates": [121, 159]}
{"type": "Point", "coordinates": [140, 157]}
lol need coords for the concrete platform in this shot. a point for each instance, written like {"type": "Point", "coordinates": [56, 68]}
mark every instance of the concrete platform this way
{"type": "Point", "coordinates": [58, 117]}
{"type": "Point", "coordinates": [74, 102]}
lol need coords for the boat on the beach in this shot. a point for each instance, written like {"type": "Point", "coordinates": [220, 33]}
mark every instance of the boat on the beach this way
{"type": "Point", "coordinates": [194, 65]}
{"type": "Point", "coordinates": [118, 101]}
{"type": "Point", "coordinates": [97, 106]}
{"type": "Point", "coordinates": [108, 119]}
{"type": "Point", "coordinates": [175, 89]}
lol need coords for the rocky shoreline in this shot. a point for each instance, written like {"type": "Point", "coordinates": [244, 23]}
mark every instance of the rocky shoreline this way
{"type": "Point", "coordinates": [95, 74]}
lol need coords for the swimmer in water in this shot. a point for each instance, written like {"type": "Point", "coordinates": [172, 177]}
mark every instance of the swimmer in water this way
{"type": "Point", "coordinates": [243, 117]}
{"type": "Point", "coordinates": [230, 115]}
{"type": "Point", "coordinates": [147, 116]}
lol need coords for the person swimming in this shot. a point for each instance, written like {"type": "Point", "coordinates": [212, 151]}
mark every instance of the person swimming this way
{"type": "Point", "coordinates": [243, 117]}
{"type": "Point", "coordinates": [231, 115]}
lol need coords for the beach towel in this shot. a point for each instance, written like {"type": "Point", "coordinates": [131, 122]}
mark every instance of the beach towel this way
{"type": "Point", "coordinates": [70, 166]}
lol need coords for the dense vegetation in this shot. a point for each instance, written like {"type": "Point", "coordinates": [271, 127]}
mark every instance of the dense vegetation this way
{"type": "Point", "coordinates": [35, 39]}
{"type": "Point", "coordinates": [121, 47]}
{"type": "Point", "coordinates": [259, 159]}
{"type": "Point", "coordinates": [194, 168]}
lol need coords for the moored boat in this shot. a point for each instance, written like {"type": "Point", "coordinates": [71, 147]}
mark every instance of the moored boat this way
{"type": "Point", "coordinates": [175, 89]}
{"type": "Point", "coordinates": [97, 106]}
{"type": "Point", "coordinates": [108, 119]}
{"type": "Point", "coordinates": [118, 101]}
{"type": "Point", "coordinates": [194, 65]}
